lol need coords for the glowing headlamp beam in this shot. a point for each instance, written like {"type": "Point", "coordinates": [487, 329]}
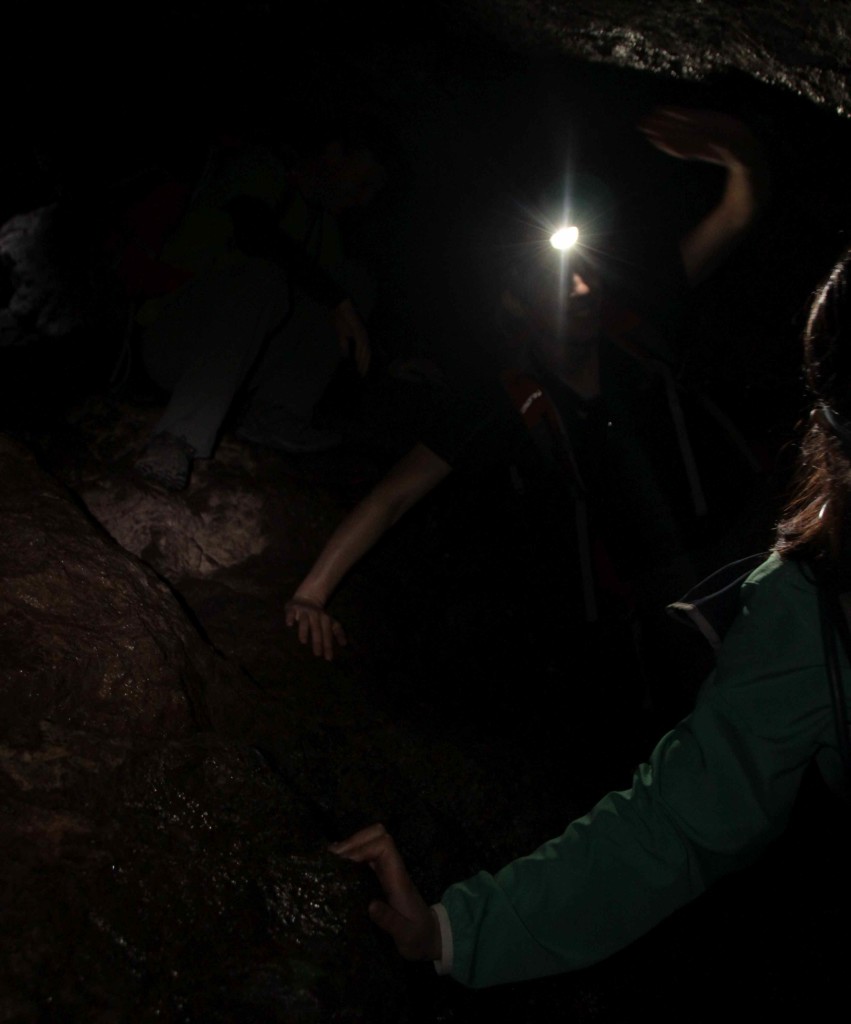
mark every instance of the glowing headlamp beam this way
{"type": "Point", "coordinates": [564, 238]}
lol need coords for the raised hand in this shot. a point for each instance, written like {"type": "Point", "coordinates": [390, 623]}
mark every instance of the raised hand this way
{"type": "Point", "coordinates": [714, 138]}
{"type": "Point", "coordinates": [705, 135]}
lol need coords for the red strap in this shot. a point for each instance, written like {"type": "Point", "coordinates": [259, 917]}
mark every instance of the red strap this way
{"type": "Point", "coordinates": [529, 399]}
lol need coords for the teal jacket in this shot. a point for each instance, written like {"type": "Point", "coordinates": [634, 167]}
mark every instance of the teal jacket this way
{"type": "Point", "coordinates": [716, 790]}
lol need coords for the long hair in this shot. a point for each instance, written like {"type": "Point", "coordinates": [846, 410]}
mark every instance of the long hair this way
{"type": "Point", "coordinates": [817, 521]}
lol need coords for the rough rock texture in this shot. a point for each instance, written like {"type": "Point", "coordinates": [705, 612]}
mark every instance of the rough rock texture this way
{"type": "Point", "coordinates": [172, 881]}
{"type": "Point", "coordinates": [221, 526]}
{"type": "Point", "coordinates": [151, 870]}
{"type": "Point", "coordinates": [799, 46]}
{"type": "Point", "coordinates": [220, 529]}
{"type": "Point", "coordinates": [91, 639]}
{"type": "Point", "coordinates": [228, 515]}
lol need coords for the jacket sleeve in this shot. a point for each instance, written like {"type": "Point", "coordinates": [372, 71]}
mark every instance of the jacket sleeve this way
{"type": "Point", "coordinates": [716, 790]}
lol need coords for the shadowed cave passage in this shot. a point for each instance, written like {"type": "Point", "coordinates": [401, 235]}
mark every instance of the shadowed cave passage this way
{"type": "Point", "coordinates": [174, 762]}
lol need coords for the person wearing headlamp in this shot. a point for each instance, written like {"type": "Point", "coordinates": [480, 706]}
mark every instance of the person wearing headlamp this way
{"type": "Point", "coordinates": [720, 787]}
{"type": "Point", "coordinates": [557, 303]}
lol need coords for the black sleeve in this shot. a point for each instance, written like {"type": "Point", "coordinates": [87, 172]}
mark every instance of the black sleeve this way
{"type": "Point", "coordinates": [472, 432]}
{"type": "Point", "coordinates": [257, 234]}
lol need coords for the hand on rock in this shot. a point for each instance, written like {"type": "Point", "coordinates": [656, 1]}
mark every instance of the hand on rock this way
{"type": "Point", "coordinates": [315, 626]}
{"type": "Point", "coordinates": [405, 915]}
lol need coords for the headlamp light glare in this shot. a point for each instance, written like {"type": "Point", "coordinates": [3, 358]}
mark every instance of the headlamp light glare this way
{"type": "Point", "coordinates": [564, 238]}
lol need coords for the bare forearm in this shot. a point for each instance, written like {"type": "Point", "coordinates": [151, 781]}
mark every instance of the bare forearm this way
{"type": "Point", "coordinates": [708, 244]}
{"type": "Point", "coordinates": [356, 535]}
{"type": "Point", "coordinates": [413, 477]}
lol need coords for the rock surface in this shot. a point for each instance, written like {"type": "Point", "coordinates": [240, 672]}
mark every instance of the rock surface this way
{"type": "Point", "coordinates": [153, 869]}
{"type": "Point", "coordinates": [92, 640]}
{"type": "Point", "coordinates": [797, 46]}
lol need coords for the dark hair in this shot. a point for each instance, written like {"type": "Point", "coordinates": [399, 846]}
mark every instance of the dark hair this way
{"type": "Point", "coordinates": [817, 522]}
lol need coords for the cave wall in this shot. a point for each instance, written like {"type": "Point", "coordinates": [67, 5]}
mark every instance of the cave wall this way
{"type": "Point", "coordinates": [109, 796]}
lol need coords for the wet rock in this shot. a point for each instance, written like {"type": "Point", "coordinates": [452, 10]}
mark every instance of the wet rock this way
{"type": "Point", "coordinates": [91, 638]}
{"type": "Point", "coordinates": [154, 869]}
{"type": "Point", "coordinates": [186, 876]}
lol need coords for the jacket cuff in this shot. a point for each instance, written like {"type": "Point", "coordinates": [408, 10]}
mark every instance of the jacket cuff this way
{"type": "Point", "coordinates": [444, 964]}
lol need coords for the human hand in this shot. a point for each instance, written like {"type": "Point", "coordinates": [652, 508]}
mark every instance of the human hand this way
{"type": "Point", "coordinates": [705, 135]}
{"type": "Point", "coordinates": [352, 334]}
{"type": "Point", "coordinates": [315, 626]}
{"type": "Point", "coordinates": [406, 917]}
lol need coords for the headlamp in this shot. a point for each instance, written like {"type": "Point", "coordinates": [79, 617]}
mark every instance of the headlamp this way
{"type": "Point", "coordinates": [565, 238]}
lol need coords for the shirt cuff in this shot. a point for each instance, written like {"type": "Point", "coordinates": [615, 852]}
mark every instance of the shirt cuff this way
{"type": "Point", "coordinates": [444, 964]}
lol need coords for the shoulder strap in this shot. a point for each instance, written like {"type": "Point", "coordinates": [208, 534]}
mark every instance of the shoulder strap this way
{"type": "Point", "coordinates": [711, 605]}
{"type": "Point", "coordinates": [535, 408]}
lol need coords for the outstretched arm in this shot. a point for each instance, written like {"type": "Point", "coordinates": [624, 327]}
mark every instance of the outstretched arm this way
{"type": "Point", "coordinates": [714, 793]}
{"type": "Point", "coordinates": [411, 478]}
{"type": "Point", "coordinates": [716, 138]}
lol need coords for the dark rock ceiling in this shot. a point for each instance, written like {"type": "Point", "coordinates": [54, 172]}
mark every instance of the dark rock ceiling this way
{"type": "Point", "coordinates": [800, 46]}
{"type": "Point", "coordinates": [89, 92]}
{"type": "Point", "coordinates": [794, 44]}
{"type": "Point", "coordinates": [209, 48]}
{"type": "Point", "coordinates": [78, 77]}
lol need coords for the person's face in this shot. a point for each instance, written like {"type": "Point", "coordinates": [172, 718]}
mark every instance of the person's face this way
{"type": "Point", "coordinates": [584, 303]}
{"type": "Point", "coordinates": [351, 177]}
{"type": "Point", "coordinates": [568, 308]}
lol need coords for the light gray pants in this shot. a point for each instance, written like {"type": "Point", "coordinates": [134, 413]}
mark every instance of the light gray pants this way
{"type": "Point", "coordinates": [239, 324]}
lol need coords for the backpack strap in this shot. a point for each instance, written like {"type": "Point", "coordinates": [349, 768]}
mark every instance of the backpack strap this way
{"type": "Point", "coordinates": [711, 605]}
{"type": "Point", "coordinates": [536, 409]}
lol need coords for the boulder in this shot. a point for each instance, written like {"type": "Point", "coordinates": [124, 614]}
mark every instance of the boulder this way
{"type": "Point", "coordinates": [155, 866]}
